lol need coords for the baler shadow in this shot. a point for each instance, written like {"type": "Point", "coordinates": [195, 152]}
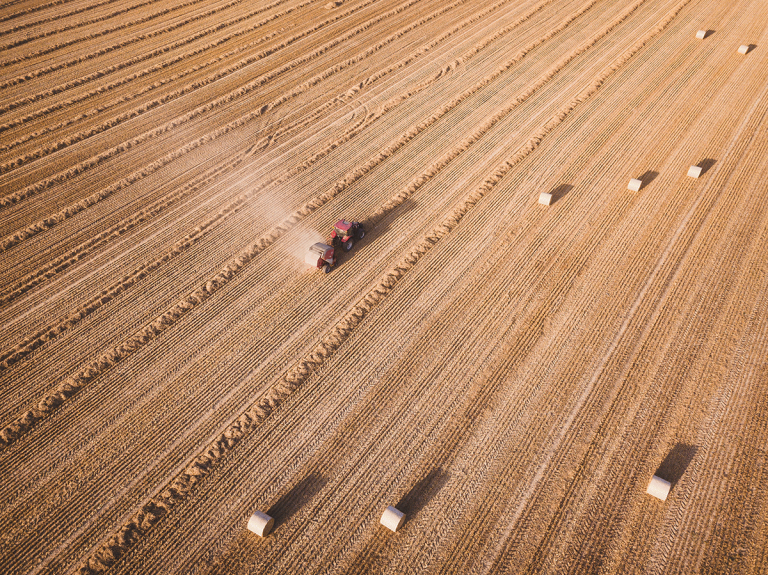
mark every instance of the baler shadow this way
{"type": "Point", "coordinates": [374, 230]}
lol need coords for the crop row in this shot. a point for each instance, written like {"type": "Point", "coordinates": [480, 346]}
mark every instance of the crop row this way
{"type": "Point", "coordinates": [117, 45]}
{"type": "Point", "coordinates": [299, 373]}
{"type": "Point", "coordinates": [220, 73]}
{"type": "Point", "coordinates": [365, 419]}
{"type": "Point", "coordinates": [40, 7]}
{"type": "Point", "coordinates": [47, 333]}
{"type": "Point", "coordinates": [83, 23]}
{"type": "Point", "coordinates": [54, 90]}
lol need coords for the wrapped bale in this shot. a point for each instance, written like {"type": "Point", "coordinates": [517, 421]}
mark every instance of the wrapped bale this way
{"type": "Point", "coordinates": [694, 171]}
{"type": "Point", "coordinates": [260, 523]}
{"type": "Point", "coordinates": [392, 519]}
{"type": "Point", "coordinates": [659, 488]}
{"type": "Point", "coordinates": [701, 34]}
{"type": "Point", "coordinates": [634, 185]}
{"type": "Point", "coordinates": [743, 49]}
{"type": "Point", "coordinates": [545, 199]}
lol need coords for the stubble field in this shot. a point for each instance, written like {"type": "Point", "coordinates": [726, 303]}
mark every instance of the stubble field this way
{"type": "Point", "coordinates": [508, 374]}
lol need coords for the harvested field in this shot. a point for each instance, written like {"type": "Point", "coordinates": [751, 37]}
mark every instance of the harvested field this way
{"type": "Point", "coordinates": [509, 374]}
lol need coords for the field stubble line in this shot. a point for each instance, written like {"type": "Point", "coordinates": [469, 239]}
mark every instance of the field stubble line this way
{"type": "Point", "coordinates": [247, 88]}
{"type": "Point", "coordinates": [167, 97]}
{"type": "Point", "coordinates": [135, 60]}
{"type": "Point", "coordinates": [655, 313]}
{"type": "Point", "coordinates": [722, 401]}
{"type": "Point", "coordinates": [183, 484]}
{"type": "Point", "coordinates": [710, 306]}
{"type": "Point", "coordinates": [41, 7]}
{"type": "Point", "coordinates": [605, 495]}
{"type": "Point", "coordinates": [32, 342]}
{"type": "Point", "coordinates": [82, 23]}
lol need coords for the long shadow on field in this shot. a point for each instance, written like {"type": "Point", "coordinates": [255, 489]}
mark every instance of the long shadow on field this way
{"type": "Point", "coordinates": [374, 229]}
{"type": "Point", "coordinates": [676, 462]}
{"type": "Point", "coordinates": [424, 490]}
{"type": "Point", "coordinates": [648, 177]}
{"type": "Point", "coordinates": [559, 192]}
{"type": "Point", "coordinates": [292, 502]}
{"type": "Point", "coordinates": [706, 164]}
{"type": "Point", "coordinates": [378, 224]}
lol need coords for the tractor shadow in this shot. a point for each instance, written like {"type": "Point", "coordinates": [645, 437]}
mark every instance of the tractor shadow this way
{"type": "Point", "coordinates": [421, 493]}
{"type": "Point", "coordinates": [676, 462]}
{"type": "Point", "coordinates": [375, 231]}
{"type": "Point", "coordinates": [647, 178]}
{"type": "Point", "coordinates": [559, 192]}
{"type": "Point", "coordinates": [706, 164]}
{"type": "Point", "coordinates": [298, 496]}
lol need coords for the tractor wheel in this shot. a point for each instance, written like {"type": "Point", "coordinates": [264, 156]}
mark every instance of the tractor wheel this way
{"type": "Point", "coordinates": [348, 245]}
{"type": "Point", "coordinates": [360, 233]}
{"type": "Point", "coordinates": [327, 268]}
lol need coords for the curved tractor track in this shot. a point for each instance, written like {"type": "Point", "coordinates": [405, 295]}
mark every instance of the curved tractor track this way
{"type": "Point", "coordinates": [510, 374]}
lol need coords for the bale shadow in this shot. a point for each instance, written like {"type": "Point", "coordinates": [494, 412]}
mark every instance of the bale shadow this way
{"type": "Point", "coordinates": [706, 164]}
{"type": "Point", "coordinates": [421, 493]}
{"type": "Point", "coordinates": [647, 178]}
{"type": "Point", "coordinates": [676, 462]}
{"type": "Point", "coordinates": [751, 47]}
{"type": "Point", "coordinates": [708, 33]}
{"type": "Point", "coordinates": [559, 192]}
{"type": "Point", "coordinates": [298, 496]}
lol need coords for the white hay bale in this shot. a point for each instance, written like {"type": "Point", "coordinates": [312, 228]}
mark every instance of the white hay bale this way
{"type": "Point", "coordinates": [659, 488]}
{"type": "Point", "coordinates": [634, 185]}
{"type": "Point", "coordinates": [743, 49]}
{"type": "Point", "coordinates": [260, 523]}
{"type": "Point", "coordinates": [701, 34]}
{"type": "Point", "coordinates": [392, 519]}
{"type": "Point", "coordinates": [545, 198]}
{"type": "Point", "coordinates": [694, 171]}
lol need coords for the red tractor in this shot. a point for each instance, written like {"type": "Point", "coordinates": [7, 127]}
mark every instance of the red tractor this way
{"type": "Point", "coordinates": [344, 233]}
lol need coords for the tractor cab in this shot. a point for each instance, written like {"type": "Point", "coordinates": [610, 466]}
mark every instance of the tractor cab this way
{"type": "Point", "coordinates": [343, 230]}
{"type": "Point", "coordinates": [344, 234]}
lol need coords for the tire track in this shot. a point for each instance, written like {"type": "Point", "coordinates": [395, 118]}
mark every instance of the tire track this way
{"type": "Point", "coordinates": [136, 60]}
{"type": "Point", "coordinates": [290, 381]}
{"type": "Point", "coordinates": [340, 186]}
{"type": "Point", "coordinates": [175, 123]}
{"type": "Point", "coordinates": [41, 7]}
{"type": "Point", "coordinates": [46, 334]}
{"type": "Point", "coordinates": [146, 107]}
{"type": "Point", "coordinates": [83, 23]}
